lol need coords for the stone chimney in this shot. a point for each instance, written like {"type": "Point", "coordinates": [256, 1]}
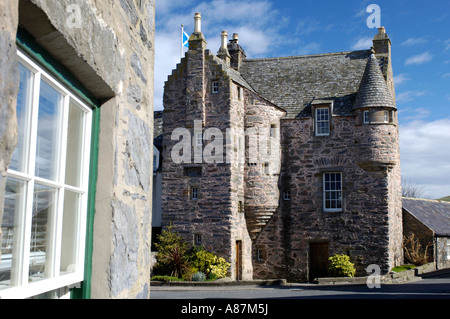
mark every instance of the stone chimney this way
{"type": "Point", "coordinates": [382, 48]}
{"type": "Point", "coordinates": [223, 51]}
{"type": "Point", "coordinates": [237, 52]}
{"type": "Point", "coordinates": [197, 40]}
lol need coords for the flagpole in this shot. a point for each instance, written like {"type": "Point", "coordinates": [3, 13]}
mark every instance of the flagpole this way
{"type": "Point", "coordinates": [182, 33]}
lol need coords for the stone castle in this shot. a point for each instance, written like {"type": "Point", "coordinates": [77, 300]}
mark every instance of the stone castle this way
{"type": "Point", "coordinates": [303, 158]}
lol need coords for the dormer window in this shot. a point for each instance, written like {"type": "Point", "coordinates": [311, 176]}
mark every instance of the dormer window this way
{"type": "Point", "coordinates": [322, 116]}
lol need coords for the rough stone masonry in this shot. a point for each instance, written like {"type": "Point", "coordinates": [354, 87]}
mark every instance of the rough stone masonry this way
{"type": "Point", "coordinates": [111, 52]}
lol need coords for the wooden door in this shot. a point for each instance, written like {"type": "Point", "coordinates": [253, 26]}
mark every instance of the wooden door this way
{"type": "Point", "coordinates": [318, 260]}
{"type": "Point", "coordinates": [238, 260]}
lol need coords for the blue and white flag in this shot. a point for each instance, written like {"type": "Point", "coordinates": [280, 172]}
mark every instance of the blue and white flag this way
{"type": "Point", "coordinates": [185, 40]}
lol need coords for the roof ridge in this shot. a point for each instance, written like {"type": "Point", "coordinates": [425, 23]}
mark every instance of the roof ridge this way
{"type": "Point", "coordinates": [427, 200]}
{"type": "Point", "coordinates": [305, 56]}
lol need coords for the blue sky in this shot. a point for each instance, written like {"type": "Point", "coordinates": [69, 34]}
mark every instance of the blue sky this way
{"type": "Point", "coordinates": [420, 36]}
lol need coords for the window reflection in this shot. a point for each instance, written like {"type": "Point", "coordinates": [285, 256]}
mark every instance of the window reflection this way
{"type": "Point", "coordinates": [48, 132]}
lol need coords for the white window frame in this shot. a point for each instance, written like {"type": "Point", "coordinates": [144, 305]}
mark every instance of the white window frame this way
{"type": "Point", "coordinates": [318, 120]}
{"type": "Point", "coordinates": [332, 190]}
{"type": "Point", "coordinates": [366, 117]}
{"type": "Point", "coordinates": [23, 288]}
{"type": "Point", "coordinates": [448, 249]}
{"type": "Point", "coordinates": [386, 116]}
{"type": "Point", "coordinates": [215, 87]}
{"type": "Point", "coordinates": [194, 193]}
{"type": "Point", "coordinates": [198, 138]}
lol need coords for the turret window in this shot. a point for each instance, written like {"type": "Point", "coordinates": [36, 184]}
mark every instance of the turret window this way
{"type": "Point", "coordinates": [366, 117]}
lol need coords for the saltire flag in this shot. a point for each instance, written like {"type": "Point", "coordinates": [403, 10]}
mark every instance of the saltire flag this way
{"type": "Point", "coordinates": [185, 40]}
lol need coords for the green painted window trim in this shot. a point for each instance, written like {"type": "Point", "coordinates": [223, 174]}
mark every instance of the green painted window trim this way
{"type": "Point", "coordinates": [27, 43]}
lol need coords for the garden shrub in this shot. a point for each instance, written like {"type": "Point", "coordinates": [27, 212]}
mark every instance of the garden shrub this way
{"type": "Point", "coordinates": [171, 258]}
{"type": "Point", "coordinates": [174, 258]}
{"type": "Point", "coordinates": [213, 266]}
{"type": "Point", "coordinates": [341, 266]}
{"type": "Point", "coordinates": [198, 276]}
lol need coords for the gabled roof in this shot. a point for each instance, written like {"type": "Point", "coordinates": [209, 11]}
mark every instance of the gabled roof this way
{"type": "Point", "coordinates": [433, 214]}
{"type": "Point", "coordinates": [293, 83]}
{"type": "Point", "coordinates": [373, 90]}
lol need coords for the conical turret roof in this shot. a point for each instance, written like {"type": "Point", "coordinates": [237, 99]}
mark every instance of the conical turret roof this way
{"type": "Point", "coordinates": [373, 90]}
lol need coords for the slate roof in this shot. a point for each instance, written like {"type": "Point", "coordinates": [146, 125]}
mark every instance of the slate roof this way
{"type": "Point", "coordinates": [293, 83]}
{"type": "Point", "coordinates": [373, 90]}
{"type": "Point", "coordinates": [433, 214]}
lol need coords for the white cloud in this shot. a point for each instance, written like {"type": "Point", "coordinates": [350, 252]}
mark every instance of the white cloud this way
{"type": "Point", "coordinates": [419, 59]}
{"type": "Point", "coordinates": [408, 96]}
{"type": "Point", "coordinates": [401, 78]}
{"type": "Point", "coordinates": [414, 41]}
{"type": "Point", "coordinates": [364, 43]}
{"type": "Point", "coordinates": [446, 75]}
{"type": "Point", "coordinates": [425, 154]}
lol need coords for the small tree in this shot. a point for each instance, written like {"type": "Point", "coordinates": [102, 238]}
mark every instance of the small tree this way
{"type": "Point", "coordinates": [171, 258]}
{"type": "Point", "coordinates": [414, 253]}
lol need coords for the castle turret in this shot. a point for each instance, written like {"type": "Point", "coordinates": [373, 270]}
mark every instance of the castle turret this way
{"type": "Point", "coordinates": [376, 113]}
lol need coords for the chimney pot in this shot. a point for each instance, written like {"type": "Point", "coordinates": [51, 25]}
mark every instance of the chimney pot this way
{"type": "Point", "coordinates": [198, 22]}
{"type": "Point", "coordinates": [224, 39]}
{"type": "Point", "coordinates": [235, 38]}
{"type": "Point", "coordinates": [381, 30]}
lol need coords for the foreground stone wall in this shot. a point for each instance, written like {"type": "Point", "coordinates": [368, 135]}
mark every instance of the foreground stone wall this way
{"type": "Point", "coordinates": [108, 47]}
{"type": "Point", "coordinates": [9, 86]}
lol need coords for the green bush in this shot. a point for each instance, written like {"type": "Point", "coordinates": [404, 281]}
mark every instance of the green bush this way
{"type": "Point", "coordinates": [172, 258]}
{"type": "Point", "coordinates": [213, 266]}
{"type": "Point", "coordinates": [165, 278]}
{"type": "Point", "coordinates": [198, 276]}
{"type": "Point", "coordinates": [340, 266]}
{"type": "Point", "coordinates": [175, 259]}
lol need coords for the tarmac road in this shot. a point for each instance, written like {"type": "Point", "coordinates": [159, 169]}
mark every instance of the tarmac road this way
{"type": "Point", "coordinates": [426, 288]}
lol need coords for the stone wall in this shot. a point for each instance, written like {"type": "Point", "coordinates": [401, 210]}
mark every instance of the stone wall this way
{"type": "Point", "coordinates": [361, 230]}
{"type": "Point", "coordinates": [9, 86]}
{"type": "Point", "coordinates": [108, 47]}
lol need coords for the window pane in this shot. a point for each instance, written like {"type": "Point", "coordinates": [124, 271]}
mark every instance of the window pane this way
{"type": "Point", "coordinates": [74, 146]}
{"type": "Point", "coordinates": [69, 247]}
{"type": "Point", "coordinates": [48, 132]}
{"type": "Point", "coordinates": [44, 207]}
{"type": "Point", "coordinates": [15, 193]}
{"type": "Point", "coordinates": [20, 156]}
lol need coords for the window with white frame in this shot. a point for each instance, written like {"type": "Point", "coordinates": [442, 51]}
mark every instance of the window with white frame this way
{"type": "Point", "coordinates": [44, 218]}
{"type": "Point", "coordinates": [386, 116]}
{"type": "Point", "coordinates": [332, 192]}
{"type": "Point", "coordinates": [194, 193]}
{"type": "Point", "coordinates": [366, 117]}
{"type": "Point", "coordinates": [215, 87]}
{"type": "Point", "coordinates": [322, 121]}
{"type": "Point", "coordinates": [448, 249]}
{"type": "Point", "coordinates": [198, 138]}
